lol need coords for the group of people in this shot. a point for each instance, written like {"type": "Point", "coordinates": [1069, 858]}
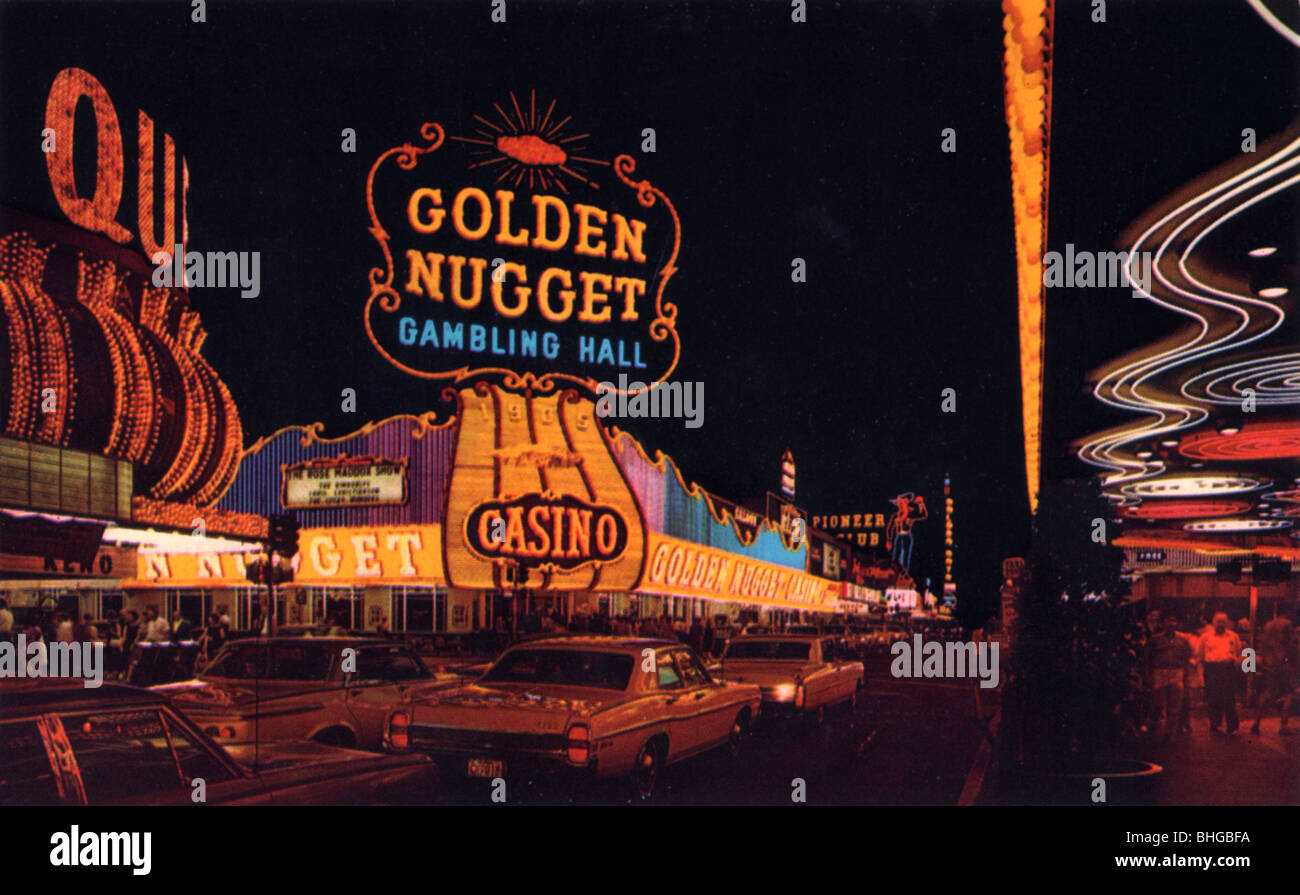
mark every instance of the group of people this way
{"type": "Point", "coordinates": [1209, 658]}
{"type": "Point", "coordinates": [119, 632]}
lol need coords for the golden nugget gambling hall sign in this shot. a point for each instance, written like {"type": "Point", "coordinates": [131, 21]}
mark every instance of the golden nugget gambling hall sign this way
{"type": "Point", "coordinates": [512, 248]}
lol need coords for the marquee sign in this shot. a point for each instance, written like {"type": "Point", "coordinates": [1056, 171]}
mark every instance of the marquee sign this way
{"type": "Point", "coordinates": [343, 481]}
{"type": "Point", "coordinates": [392, 554]}
{"type": "Point", "coordinates": [513, 248]}
{"type": "Point", "coordinates": [683, 568]}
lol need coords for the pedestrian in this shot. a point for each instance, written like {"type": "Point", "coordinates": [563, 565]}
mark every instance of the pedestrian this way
{"type": "Point", "coordinates": [1167, 655]}
{"type": "Point", "coordinates": [156, 629]}
{"type": "Point", "coordinates": [130, 630]}
{"type": "Point", "coordinates": [85, 631]}
{"type": "Point", "coordinates": [1194, 677]}
{"type": "Point", "coordinates": [1150, 630]}
{"type": "Point", "coordinates": [696, 636]}
{"type": "Point", "coordinates": [182, 629]}
{"type": "Point", "coordinates": [213, 637]}
{"type": "Point", "coordinates": [63, 628]}
{"type": "Point", "coordinates": [6, 617]}
{"type": "Point", "coordinates": [1220, 653]}
{"type": "Point", "coordinates": [1278, 662]}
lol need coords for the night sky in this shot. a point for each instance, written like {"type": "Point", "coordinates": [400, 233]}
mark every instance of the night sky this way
{"type": "Point", "coordinates": [775, 141]}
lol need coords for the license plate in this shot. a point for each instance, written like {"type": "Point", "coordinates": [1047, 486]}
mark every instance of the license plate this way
{"type": "Point", "coordinates": [487, 767]}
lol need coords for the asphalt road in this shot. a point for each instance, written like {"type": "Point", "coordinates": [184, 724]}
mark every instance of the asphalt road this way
{"type": "Point", "coordinates": [907, 743]}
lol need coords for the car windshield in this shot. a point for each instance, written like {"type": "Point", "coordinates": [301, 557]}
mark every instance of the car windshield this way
{"type": "Point", "coordinates": [286, 662]}
{"type": "Point", "coordinates": [574, 668]}
{"type": "Point", "coordinates": [770, 650]}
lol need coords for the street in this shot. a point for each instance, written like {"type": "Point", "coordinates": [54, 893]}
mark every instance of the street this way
{"type": "Point", "coordinates": [908, 742]}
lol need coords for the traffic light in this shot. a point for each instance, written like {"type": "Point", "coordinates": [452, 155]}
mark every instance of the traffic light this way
{"type": "Point", "coordinates": [283, 534]}
{"type": "Point", "coordinates": [255, 571]}
{"type": "Point", "coordinates": [261, 571]}
{"type": "Point", "coordinates": [1272, 571]}
{"type": "Point", "coordinates": [1229, 572]}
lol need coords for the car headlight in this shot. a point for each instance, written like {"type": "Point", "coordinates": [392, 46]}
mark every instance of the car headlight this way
{"type": "Point", "coordinates": [783, 692]}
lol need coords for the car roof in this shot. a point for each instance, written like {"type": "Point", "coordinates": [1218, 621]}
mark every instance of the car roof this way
{"type": "Point", "coordinates": [61, 694]}
{"type": "Point", "coordinates": [799, 637]}
{"type": "Point", "coordinates": [606, 641]}
{"type": "Point", "coordinates": [299, 641]}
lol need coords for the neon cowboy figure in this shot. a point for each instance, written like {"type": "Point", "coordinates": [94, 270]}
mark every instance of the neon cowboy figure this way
{"type": "Point", "coordinates": [898, 534]}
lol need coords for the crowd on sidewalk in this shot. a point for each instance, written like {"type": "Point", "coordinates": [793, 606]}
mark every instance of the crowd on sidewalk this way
{"type": "Point", "coordinates": [120, 632]}
{"type": "Point", "coordinates": [1190, 663]}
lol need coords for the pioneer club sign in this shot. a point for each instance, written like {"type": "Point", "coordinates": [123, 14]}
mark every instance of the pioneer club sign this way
{"type": "Point", "coordinates": [510, 246]}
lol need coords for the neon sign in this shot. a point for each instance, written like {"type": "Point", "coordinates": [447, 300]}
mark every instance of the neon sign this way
{"type": "Point", "coordinates": [506, 251]}
{"type": "Point", "coordinates": [546, 530]}
{"type": "Point", "coordinates": [898, 534]}
{"type": "Point", "coordinates": [98, 211]}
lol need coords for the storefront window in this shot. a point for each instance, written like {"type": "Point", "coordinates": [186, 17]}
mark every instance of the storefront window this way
{"type": "Point", "coordinates": [423, 610]}
{"type": "Point", "coordinates": [110, 603]}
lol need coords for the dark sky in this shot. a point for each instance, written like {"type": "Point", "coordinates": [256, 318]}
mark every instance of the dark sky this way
{"type": "Point", "coordinates": [775, 140]}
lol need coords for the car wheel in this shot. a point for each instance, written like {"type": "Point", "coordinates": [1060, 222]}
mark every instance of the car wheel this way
{"type": "Point", "coordinates": [645, 771]}
{"type": "Point", "coordinates": [336, 736]}
{"type": "Point", "coordinates": [736, 736]}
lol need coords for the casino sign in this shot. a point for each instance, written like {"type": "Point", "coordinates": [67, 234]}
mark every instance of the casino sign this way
{"type": "Point", "coordinates": [546, 531]}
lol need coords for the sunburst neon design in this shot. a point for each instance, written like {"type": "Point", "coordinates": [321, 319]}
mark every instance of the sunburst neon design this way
{"type": "Point", "coordinates": [527, 146]}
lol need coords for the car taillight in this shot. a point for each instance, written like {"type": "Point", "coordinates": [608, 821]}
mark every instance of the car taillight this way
{"type": "Point", "coordinates": [798, 696]}
{"type": "Point", "coordinates": [397, 736]}
{"type": "Point", "coordinates": [579, 744]}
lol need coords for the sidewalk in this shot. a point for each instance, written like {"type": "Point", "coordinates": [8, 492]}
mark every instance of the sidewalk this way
{"type": "Point", "coordinates": [1204, 768]}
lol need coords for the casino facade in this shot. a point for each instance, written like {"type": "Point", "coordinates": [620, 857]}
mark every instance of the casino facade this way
{"type": "Point", "coordinates": [126, 480]}
{"type": "Point", "coordinates": [430, 526]}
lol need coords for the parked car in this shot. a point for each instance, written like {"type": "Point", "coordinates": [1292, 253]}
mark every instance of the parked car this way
{"type": "Point", "coordinates": [61, 743]}
{"type": "Point", "coordinates": [586, 706]}
{"type": "Point", "coordinates": [283, 688]}
{"type": "Point", "coordinates": [798, 673]}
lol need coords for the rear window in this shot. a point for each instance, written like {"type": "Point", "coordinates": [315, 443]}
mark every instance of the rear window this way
{"type": "Point", "coordinates": [26, 777]}
{"type": "Point", "coordinates": [285, 662]}
{"type": "Point", "coordinates": [388, 664]}
{"type": "Point", "coordinates": [771, 650]}
{"type": "Point", "coordinates": [122, 755]}
{"type": "Point", "coordinates": [574, 668]}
